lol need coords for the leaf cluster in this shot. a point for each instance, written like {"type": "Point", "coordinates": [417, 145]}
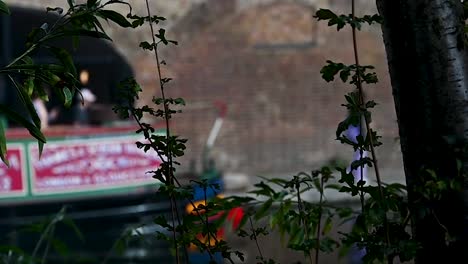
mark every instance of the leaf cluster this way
{"type": "Point", "coordinates": [340, 21]}
{"type": "Point", "coordinates": [358, 73]}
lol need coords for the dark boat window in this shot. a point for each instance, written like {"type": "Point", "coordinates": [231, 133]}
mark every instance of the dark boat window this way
{"type": "Point", "coordinates": [105, 65]}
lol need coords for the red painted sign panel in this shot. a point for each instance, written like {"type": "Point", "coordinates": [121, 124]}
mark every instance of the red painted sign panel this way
{"type": "Point", "coordinates": [13, 178]}
{"type": "Point", "coordinates": [90, 164]}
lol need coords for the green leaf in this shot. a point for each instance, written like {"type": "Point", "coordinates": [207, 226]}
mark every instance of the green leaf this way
{"type": "Point", "coordinates": [115, 17]}
{"type": "Point", "coordinates": [29, 86]}
{"type": "Point", "coordinates": [277, 181]}
{"type": "Point", "coordinates": [263, 189]}
{"type": "Point", "coordinates": [39, 88]}
{"type": "Point", "coordinates": [27, 60]}
{"type": "Point", "coordinates": [26, 101]}
{"type": "Point", "coordinates": [91, 3]}
{"type": "Point", "coordinates": [370, 104]}
{"type": "Point", "coordinates": [361, 163]}
{"type": "Point", "coordinates": [344, 74]}
{"type": "Point", "coordinates": [65, 58]}
{"type": "Point", "coordinates": [243, 221]}
{"type": "Point", "coordinates": [70, 223]}
{"type": "Point", "coordinates": [340, 22]}
{"type": "Point", "coordinates": [33, 130]}
{"type": "Point", "coordinates": [40, 146]}
{"type": "Point", "coordinates": [329, 71]}
{"type": "Point", "coordinates": [68, 95]}
{"type": "Point", "coordinates": [179, 101]}
{"type": "Point", "coordinates": [276, 218]}
{"type": "Point", "coordinates": [342, 126]}
{"type": "Point", "coordinates": [4, 8]}
{"type": "Point", "coordinates": [23, 67]}
{"type": "Point", "coordinates": [333, 186]}
{"type": "Point", "coordinates": [75, 42]}
{"type": "Point", "coordinates": [97, 24]}
{"type": "Point", "coordinates": [372, 19]}
{"type": "Point", "coordinates": [81, 32]}
{"type": "Point", "coordinates": [10, 248]}
{"type": "Point", "coordinates": [162, 36]}
{"type": "Point", "coordinates": [32, 36]}
{"type": "Point", "coordinates": [344, 212]}
{"type": "Point", "coordinates": [264, 209]}
{"type": "Point", "coordinates": [3, 147]}
{"type": "Point", "coordinates": [325, 14]}
{"type": "Point", "coordinates": [71, 3]}
{"type": "Point", "coordinates": [161, 221]}
{"type": "Point", "coordinates": [327, 226]}
{"type": "Point", "coordinates": [59, 10]}
{"type": "Point", "coordinates": [146, 45]}
{"type": "Point", "coordinates": [60, 247]}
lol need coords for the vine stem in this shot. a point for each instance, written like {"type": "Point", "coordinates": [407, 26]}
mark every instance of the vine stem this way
{"type": "Point", "coordinates": [255, 237]}
{"type": "Point", "coordinates": [177, 183]}
{"type": "Point", "coordinates": [208, 236]}
{"type": "Point", "coordinates": [319, 224]}
{"type": "Point", "coordinates": [169, 170]}
{"type": "Point", "coordinates": [47, 248]}
{"type": "Point", "coordinates": [361, 155]}
{"type": "Point", "coordinates": [367, 122]}
{"type": "Point", "coordinates": [362, 101]}
{"type": "Point", "coordinates": [304, 222]}
{"type": "Point", "coordinates": [163, 96]}
{"type": "Point", "coordinates": [44, 234]}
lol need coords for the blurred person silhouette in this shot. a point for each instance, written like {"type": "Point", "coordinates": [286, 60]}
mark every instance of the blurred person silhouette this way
{"type": "Point", "coordinates": [352, 133]}
{"type": "Point", "coordinates": [41, 110]}
{"type": "Point", "coordinates": [356, 254]}
{"type": "Point", "coordinates": [77, 114]}
{"type": "Point", "coordinates": [84, 99]}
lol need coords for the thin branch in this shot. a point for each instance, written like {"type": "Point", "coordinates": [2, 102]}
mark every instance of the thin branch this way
{"type": "Point", "coordinates": [43, 236]}
{"type": "Point", "coordinates": [177, 183]}
{"type": "Point", "coordinates": [161, 86]}
{"type": "Point", "coordinates": [174, 237]}
{"type": "Point", "coordinates": [319, 224]}
{"type": "Point", "coordinates": [169, 172]}
{"type": "Point", "coordinates": [115, 244]}
{"type": "Point", "coordinates": [153, 146]}
{"type": "Point", "coordinates": [208, 234]}
{"type": "Point", "coordinates": [46, 250]}
{"type": "Point", "coordinates": [367, 122]}
{"type": "Point", "coordinates": [361, 154]}
{"type": "Point", "coordinates": [362, 101]}
{"type": "Point", "coordinates": [255, 237]}
{"type": "Point", "coordinates": [301, 212]}
{"type": "Point", "coordinates": [180, 223]}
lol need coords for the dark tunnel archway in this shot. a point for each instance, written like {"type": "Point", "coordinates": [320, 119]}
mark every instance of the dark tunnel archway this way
{"type": "Point", "coordinates": [105, 65]}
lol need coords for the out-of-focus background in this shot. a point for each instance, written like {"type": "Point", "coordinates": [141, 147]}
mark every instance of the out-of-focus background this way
{"type": "Point", "coordinates": [260, 59]}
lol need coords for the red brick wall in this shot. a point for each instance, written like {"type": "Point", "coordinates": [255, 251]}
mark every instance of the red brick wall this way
{"type": "Point", "coordinates": [282, 117]}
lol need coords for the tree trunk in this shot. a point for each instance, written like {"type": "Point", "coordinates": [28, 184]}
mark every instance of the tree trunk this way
{"type": "Point", "coordinates": [424, 40]}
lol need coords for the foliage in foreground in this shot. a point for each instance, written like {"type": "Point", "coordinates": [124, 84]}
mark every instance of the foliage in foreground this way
{"type": "Point", "coordinates": [380, 224]}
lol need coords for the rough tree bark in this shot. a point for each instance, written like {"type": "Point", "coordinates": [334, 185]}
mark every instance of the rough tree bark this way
{"type": "Point", "coordinates": [424, 40]}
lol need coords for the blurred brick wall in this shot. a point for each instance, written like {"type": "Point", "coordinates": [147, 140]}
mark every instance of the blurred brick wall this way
{"type": "Point", "coordinates": [262, 58]}
{"type": "Point", "coordinates": [264, 62]}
